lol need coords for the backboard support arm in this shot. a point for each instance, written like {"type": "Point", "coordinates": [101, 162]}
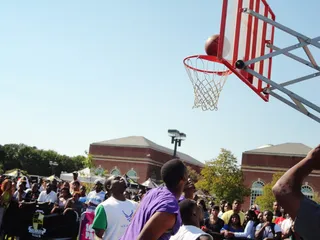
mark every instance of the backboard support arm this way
{"type": "Point", "coordinates": [297, 102]}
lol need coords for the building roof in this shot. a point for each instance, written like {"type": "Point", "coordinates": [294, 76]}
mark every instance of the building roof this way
{"type": "Point", "coordinates": [142, 142]}
{"type": "Point", "coordinates": [285, 149]}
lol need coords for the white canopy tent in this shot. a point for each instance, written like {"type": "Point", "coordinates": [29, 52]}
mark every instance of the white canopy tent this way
{"type": "Point", "coordinates": [149, 183]}
{"type": "Point", "coordinates": [84, 175]}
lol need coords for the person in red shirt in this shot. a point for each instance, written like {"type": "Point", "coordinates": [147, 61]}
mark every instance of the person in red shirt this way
{"type": "Point", "coordinates": [280, 219]}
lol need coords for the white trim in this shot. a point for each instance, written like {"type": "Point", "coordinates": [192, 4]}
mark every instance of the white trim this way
{"type": "Point", "coordinates": [165, 150]}
{"type": "Point", "coordinates": [127, 159]}
{"type": "Point", "coordinates": [272, 171]}
{"type": "Point", "coordinates": [276, 154]}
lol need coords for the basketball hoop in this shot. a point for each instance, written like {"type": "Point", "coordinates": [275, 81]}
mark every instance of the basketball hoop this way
{"type": "Point", "coordinates": [208, 75]}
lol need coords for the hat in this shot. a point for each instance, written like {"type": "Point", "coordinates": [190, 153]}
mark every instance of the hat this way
{"type": "Point", "coordinates": [75, 172]}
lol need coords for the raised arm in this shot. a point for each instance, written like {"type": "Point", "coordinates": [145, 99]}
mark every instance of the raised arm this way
{"type": "Point", "coordinates": [288, 188]}
{"type": "Point", "coordinates": [157, 225]}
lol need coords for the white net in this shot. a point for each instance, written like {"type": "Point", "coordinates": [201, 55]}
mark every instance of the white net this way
{"type": "Point", "coordinates": [208, 79]}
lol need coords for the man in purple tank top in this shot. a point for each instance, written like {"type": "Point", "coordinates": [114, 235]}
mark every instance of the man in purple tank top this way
{"type": "Point", "coordinates": [158, 215]}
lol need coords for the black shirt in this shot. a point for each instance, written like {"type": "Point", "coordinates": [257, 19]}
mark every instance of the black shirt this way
{"type": "Point", "coordinates": [214, 227]}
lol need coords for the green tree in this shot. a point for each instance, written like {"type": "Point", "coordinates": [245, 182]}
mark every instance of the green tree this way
{"type": "Point", "coordinates": [266, 200]}
{"type": "Point", "coordinates": [88, 160]}
{"type": "Point", "coordinates": [222, 178]}
{"type": "Point", "coordinates": [193, 174]}
{"type": "Point", "coordinates": [36, 161]}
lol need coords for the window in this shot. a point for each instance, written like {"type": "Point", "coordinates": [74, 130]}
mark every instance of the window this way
{"type": "Point", "coordinates": [115, 172]}
{"type": "Point", "coordinates": [132, 174]}
{"type": "Point", "coordinates": [307, 191]}
{"type": "Point", "coordinates": [256, 190]}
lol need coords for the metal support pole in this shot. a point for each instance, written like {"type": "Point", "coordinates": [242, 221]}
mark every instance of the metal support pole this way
{"type": "Point", "coordinates": [283, 89]}
{"type": "Point", "coordinates": [313, 75]}
{"type": "Point", "coordinates": [283, 28]}
{"type": "Point", "coordinates": [282, 99]}
{"type": "Point", "coordinates": [294, 57]}
{"type": "Point", "coordinates": [175, 148]}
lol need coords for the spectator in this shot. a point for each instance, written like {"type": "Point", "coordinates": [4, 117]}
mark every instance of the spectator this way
{"type": "Point", "coordinates": [20, 194]}
{"type": "Point", "coordinates": [158, 216]}
{"type": "Point", "coordinates": [227, 207]}
{"type": "Point", "coordinates": [268, 229]}
{"type": "Point", "coordinates": [288, 192]}
{"type": "Point", "coordinates": [214, 224]}
{"type": "Point", "coordinates": [6, 188]}
{"type": "Point", "coordinates": [74, 204]}
{"type": "Point", "coordinates": [141, 193]}
{"type": "Point", "coordinates": [250, 225]}
{"type": "Point", "coordinates": [48, 195]}
{"type": "Point", "coordinates": [33, 193]}
{"type": "Point", "coordinates": [62, 201]}
{"type": "Point", "coordinates": [65, 185]}
{"type": "Point", "coordinates": [191, 222]}
{"type": "Point", "coordinates": [280, 219]}
{"type": "Point", "coordinates": [276, 211]}
{"type": "Point", "coordinates": [75, 179]}
{"type": "Point", "coordinates": [260, 217]}
{"type": "Point", "coordinates": [96, 196]}
{"type": "Point", "coordinates": [233, 226]}
{"type": "Point", "coordinates": [188, 191]}
{"type": "Point", "coordinates": [83, 197]}
{"type": "Point", "coordinates": [236, 208]}
{"type": "Point", "coordinates": [222, 204]}
{"type": "Point", "coordinates": [75, 186]}
{"type": "Point", "coordinates": [204, 209]}
{"type": "Point", "coordinates": [113, 216]}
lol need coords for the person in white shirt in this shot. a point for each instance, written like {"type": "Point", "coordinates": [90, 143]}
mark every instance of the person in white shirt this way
{"type": "Point", "coordinates": [190, 215]}
{"type": "Point", "coordinates": [96, 196]}
{"type": "Point", "coordinates": [48, 195]}
{"type": "Point", "coordinates": [113, 216]}
{"type": "Point", "coordinates": [249, 231]}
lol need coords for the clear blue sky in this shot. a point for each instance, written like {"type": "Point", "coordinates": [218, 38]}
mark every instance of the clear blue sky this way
{"type": "Point", "coordinates": [77, 72]}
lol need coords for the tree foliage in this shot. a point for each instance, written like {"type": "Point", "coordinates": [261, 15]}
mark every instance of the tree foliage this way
{"type": "Point", "coordinates": [193, 174]}
{"type": "Point", "coordinates": [36, 161]}
{"type": "Point", "coordinates": [266, 200]}
{"type": "Point", "coordinates": [222, 178]}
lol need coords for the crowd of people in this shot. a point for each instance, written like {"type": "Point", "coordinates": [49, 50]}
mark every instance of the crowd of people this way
{"type": "Point", "coordinates": [168, 212]}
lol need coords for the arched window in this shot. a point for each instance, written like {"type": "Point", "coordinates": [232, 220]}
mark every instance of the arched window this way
{"type": "Point", "coordinates": [307, 191]}
{"type": "Point", "coordinates": [115, 172]}
{"type": "Point", "coordinates": [132, 174]}
{"type": "Point", "coordinates": [256, 190]}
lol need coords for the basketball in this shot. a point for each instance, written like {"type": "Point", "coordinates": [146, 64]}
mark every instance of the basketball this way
{"type": "Point", "coordinates": [211, 46]}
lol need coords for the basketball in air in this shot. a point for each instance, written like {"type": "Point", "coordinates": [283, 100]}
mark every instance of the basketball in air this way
{"type": "Point", "coordinates": [212, 45]}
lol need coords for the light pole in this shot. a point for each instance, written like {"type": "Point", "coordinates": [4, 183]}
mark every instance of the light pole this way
{"type": "Point", "coordinates": [176, 139]}
{"type": "Point", "coordinates": [53, 164]}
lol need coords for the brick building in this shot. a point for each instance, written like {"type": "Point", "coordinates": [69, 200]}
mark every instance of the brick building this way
{"type": "Point", "coordinates": [260, 164]}
{"type": "Point", "coordinates": [136, 156]}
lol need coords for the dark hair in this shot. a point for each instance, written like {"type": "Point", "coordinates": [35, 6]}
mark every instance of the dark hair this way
{"type": "Point", "coordinates": [236, 216]}
{"type": "Point", "coordinates": [237, 200]}
{"type": "Point", "coordinates": [227, 203]}
{"type": "Point", "coordinates": [186, 209]}
{"type": "Point", "coordinates": [215, 207]}
{"type": "Point", "coordinates": [65, 189]}
{"type": "Point", "coordinates": [203, 205]}
{"type": "Point", "coordinates": [172, 172]}
{"type": "Point", "coordinates": [252, 216]}
{"type": "Point", "coordinates": [76, 183]}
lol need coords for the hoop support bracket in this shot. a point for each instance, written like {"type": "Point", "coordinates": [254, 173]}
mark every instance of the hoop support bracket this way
{"type": "Point", "coordinates": [294, 100]}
